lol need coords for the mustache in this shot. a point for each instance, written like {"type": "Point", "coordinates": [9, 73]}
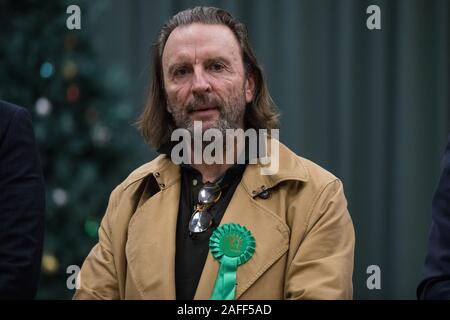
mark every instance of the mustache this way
{"type": "Point", "coordinates": [204, 102]}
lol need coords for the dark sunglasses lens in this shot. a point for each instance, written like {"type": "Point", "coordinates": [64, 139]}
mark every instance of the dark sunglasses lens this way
{"type": "Point", "coordinates": [200, 222]}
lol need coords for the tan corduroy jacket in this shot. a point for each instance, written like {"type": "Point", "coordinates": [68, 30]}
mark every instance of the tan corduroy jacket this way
{"type": "Point", "coordinates": [303, 231]}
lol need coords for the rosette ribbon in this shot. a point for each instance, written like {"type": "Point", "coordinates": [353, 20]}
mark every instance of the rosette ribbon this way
{"type": "Point", "coordinates": [232, 245]}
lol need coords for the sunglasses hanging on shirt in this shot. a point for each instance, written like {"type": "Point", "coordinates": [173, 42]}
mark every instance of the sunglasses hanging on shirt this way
{"type": "Point", "coordinates": [201, 220]}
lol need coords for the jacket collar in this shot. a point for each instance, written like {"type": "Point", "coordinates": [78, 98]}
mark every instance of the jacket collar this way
{"type": "Point", "coordinates": [167, 173]}
{"type": "Point", "coordinates": [290, 168]}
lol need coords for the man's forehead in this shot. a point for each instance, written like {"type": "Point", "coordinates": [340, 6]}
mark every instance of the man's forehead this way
{"type": "Point", "coordinates": [200, 40]}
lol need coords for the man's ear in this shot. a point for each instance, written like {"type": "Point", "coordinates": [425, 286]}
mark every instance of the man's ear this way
{"type": "Point", "coordinates": [249, 88]}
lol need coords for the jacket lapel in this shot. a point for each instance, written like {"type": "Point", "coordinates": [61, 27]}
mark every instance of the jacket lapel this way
{"type": "Point", "coordinates": [151, 259]}
{"type": "Point", "coordinates": [271, 235]}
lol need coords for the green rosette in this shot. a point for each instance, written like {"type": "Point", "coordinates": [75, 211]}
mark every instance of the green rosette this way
{"type": "Point", "coordinates": [232, 245]}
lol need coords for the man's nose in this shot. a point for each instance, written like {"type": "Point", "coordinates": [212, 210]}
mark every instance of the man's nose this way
{"type": "Point", "coordinates": [200, 83]}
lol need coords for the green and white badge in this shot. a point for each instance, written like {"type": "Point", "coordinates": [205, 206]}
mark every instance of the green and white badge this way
{"type": "Point", "coordinates": [232, 245]}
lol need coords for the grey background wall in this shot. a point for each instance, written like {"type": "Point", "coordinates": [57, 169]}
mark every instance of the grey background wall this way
{"type": "Point", "coordinates": [370, 106]}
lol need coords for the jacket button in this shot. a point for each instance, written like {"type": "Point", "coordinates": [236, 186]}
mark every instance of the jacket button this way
{"type": "Point", "coordinates": [264, 194]}
{"type": "Point", "coordinates": [162, 185]}
{"type": "Point", "coordinates": [157, 174]}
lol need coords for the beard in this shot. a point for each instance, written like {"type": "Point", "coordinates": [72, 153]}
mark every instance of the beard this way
{"type": "Point", "coordinates": [231, 112]}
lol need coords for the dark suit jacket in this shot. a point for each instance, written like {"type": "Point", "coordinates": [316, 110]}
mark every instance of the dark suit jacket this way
{"type": "Point", "coordinates": [22, 205]}
{"type": "Point", "coordinates": [436, 282]}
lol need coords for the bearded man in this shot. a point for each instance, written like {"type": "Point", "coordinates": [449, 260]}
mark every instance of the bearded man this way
{"type": "Point", "coordinates": [221, 230]}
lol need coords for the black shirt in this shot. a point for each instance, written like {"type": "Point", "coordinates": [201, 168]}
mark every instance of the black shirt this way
{"type": "Point", "coordinates": [192, 250]}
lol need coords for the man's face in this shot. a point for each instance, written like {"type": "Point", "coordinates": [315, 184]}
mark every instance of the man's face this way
{"type": "Point", "coordinates": [204, 77]}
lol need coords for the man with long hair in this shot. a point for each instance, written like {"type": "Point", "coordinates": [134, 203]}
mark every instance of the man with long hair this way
{"type": "Point", "coordinates": [220, 230]}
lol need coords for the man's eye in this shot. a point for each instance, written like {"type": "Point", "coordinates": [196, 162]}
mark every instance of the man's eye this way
{"type": "Point", "coordinates": [217, 67]}
{"type": "Point", "coordinates": [180, 72]}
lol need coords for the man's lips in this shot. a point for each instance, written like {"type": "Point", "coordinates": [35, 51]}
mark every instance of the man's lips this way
{"type": "Point", "coordinates": [205, 114]}
{"type": "Point", "coordinates": [205, 110]}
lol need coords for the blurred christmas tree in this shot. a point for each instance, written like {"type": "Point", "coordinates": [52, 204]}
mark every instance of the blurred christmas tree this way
{"type": "Point", "coordinates": [80, 121]}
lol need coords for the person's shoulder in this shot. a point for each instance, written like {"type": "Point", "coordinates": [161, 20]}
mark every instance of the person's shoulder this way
{"type": "Point", "coordinates": [15, 122]}
{"type": "Point", "coordinates": [316, 172]}
{"type": "Point", "coordinates": [11, 114]}
{"type": "Point", "coordinates": [128, 189]}
{"type": "Point", "coordinates": [313, 173]}
{"type": "Point", "coordinates": [9, 111]}
{"type": "Point", "coordinates": [140, 173]}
